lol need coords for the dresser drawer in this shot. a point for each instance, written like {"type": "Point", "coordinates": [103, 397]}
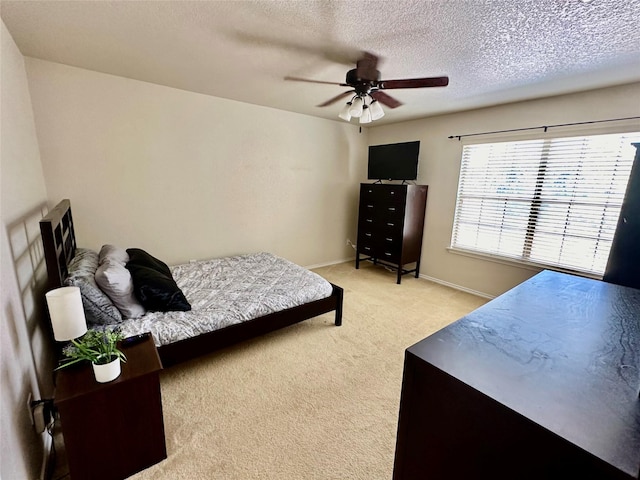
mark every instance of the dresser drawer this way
{"type": "Point", "coordinates": [368, 208]}
{"type": "Point", "coordinates": [388, 254]}
{"type": "Point", "coordinates": [368, 223]}
{"type": "Point", "coordinates": [389, 240]}
{"type": "Point", "coordinates": [391, 214]}
{"type": "Point", "coordinates": [367, 236]}
{"type": "Point", "coordinates": [377, 195]}
{"type": "Point", "coordinates": [367, 249]}
{"type": "Point", "coordinates": [390, 225]}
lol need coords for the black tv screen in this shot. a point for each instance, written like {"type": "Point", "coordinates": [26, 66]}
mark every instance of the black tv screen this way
{"type": "Point", "coordinates": [396, 161]}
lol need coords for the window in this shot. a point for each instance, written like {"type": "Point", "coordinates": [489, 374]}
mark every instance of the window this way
{"type": "Point", "coordinates": [553, 202]}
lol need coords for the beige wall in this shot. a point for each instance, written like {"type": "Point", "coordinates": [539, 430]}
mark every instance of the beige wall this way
{"type": "Point", "coordinates": [185, 175]}
{"type": "Point", "coordinates": [439, 166]}
{"type": "Point", "coordinates": [26, 360]}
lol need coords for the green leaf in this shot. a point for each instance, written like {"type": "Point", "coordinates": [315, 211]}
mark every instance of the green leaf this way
{"type": "Point", "coordinates": [96, 346]}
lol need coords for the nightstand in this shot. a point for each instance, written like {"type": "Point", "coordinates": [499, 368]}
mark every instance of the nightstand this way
{"type": "Point", "coordinates": [113, 430]}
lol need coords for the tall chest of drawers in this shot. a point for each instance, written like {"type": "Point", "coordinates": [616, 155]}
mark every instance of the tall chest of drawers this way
{"type": "Point", "coordinates": [390, 225]}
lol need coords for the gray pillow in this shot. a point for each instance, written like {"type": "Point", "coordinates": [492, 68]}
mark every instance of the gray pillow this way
{"type": "Point", "coordinates": [98, 308]}
{"type": "Point", "coordinates": [115, 280]}
{"type": "Point", "coordinates": [113, 254]}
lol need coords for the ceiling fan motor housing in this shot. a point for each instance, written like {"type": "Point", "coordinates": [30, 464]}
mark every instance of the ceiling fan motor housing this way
{"type": "Point", "coordinates": [361, 85]}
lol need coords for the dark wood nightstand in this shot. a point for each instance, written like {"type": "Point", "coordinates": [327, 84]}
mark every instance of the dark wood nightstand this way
{"type": "Point", "coordinates": [113, 430]}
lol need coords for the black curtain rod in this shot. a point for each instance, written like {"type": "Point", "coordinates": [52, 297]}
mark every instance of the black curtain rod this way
{"type": "Point", "coordinates": [459, 137]}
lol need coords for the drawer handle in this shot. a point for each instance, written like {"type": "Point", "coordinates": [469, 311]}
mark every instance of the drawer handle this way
{"type": "Point", "coordinates": [369, 220]}
{"type": "Point", "coordinates": [369, 206]}
{"type": "Point", "coordinates": [390, 224]}
{"type": "Point", "coordinates": [369, 190]}
{"type": "Point", "coordinates": [387, 254]}
{"type": "Point", "coordinates": [392, 209]}
{"type": "Point", "coordinates": [389, 239]}
{"type": "Point", "coordinates": [393, 193]}
{"type": "Point", "coordinates": [367, 248]}
{"type": "Point", "coordinates": [367, 234]}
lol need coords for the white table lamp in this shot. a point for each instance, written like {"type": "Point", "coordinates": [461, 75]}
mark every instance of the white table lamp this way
{"type": "Point", "coordinates": [66, 313]}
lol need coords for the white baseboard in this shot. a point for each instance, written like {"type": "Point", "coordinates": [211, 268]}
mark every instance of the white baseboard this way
{"type": "Point", "coordinates": [328, 264]}
{"type": "Point", "coordinates": [47, 461]}
{"type": "Point", "coordinates": [426, 277]}
{"type": "Point", "coordinates": [458, 287]}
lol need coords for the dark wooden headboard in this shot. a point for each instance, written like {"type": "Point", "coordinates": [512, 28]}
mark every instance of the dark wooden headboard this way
{"type": "Point", "coordinates": [58, 241]}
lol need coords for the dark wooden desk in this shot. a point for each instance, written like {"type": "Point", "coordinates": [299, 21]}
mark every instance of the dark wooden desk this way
{"type": "Point", "coordinates": [113, 430]}
{"type": "Point", "coordinates": [542, 382]}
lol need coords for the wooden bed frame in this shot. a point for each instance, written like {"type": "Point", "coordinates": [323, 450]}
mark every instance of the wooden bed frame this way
{"type": "Point", "coordinates": [59, 242]}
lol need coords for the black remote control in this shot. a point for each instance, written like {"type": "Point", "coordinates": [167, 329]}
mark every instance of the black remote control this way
{"type": "Point", "coordinates": [135, 339]}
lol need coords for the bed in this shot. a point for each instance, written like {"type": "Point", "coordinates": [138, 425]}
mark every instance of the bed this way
{"type": "Point", "coordinates": [214, 321]}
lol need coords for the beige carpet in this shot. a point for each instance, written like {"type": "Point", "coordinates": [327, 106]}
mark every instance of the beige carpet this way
{"type": "Point", "coordinates": [312, 401]}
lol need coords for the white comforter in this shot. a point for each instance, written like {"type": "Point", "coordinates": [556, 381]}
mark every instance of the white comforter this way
{"type": "Point", "coordinates": [230, 290]}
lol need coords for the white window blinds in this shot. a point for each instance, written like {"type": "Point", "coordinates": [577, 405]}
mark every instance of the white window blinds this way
{"type": "Point", "coordinates": [553, 202]}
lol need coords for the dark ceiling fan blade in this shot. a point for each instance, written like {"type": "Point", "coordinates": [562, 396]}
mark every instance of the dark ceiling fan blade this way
{"type": "Point", "coordinates": [414, 83]}
{"type": "Point", "coordinates": [385, 99]}
{"type": "Point", "coordinates": [298, 79]}
{"type": "Point", "coordinates": [337, 97]}
{"type": "Point", "coordinates": [367, 66]}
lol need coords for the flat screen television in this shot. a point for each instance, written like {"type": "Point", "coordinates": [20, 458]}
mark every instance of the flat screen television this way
{"type": "Point", "coordinates": [396, 161]}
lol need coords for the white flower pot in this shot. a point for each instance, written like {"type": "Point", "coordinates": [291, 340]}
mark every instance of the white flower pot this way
{"type": "Point", "coordinates": [107, 372]}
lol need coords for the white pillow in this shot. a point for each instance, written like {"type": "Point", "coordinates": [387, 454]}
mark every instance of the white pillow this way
{"type": "Point", "coordinates": [115, 281]}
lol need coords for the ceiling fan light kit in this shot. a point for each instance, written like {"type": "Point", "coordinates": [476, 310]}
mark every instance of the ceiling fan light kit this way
{"type": "Point", "coordinates": [367, 86]}
{"type": "Point", "coordinates": [357, 107]}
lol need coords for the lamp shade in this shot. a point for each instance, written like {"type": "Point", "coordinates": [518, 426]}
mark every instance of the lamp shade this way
{"type": "Point", "coordinates": [344, 113]}
{"type": "Point", "coordinates": [66, 313]}
{"type": "Point", "coordinates": [366, 114]}
{"type": "Point", "coordinates": [376, 110]}
{"type": "Point", "coordinates": [356, 107]}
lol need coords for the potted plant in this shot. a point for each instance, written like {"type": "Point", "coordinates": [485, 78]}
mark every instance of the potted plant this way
{"type": "Point", "coordinates": [100, 348]}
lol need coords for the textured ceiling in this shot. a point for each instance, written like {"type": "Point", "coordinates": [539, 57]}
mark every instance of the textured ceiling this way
{"type": "Point", "coordinates": [494, 51]}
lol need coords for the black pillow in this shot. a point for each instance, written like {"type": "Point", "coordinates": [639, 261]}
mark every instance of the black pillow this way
{"type": "Point", "coordinates": [153, 283]}
{"type": "Point", "coordinates": [137, 256]}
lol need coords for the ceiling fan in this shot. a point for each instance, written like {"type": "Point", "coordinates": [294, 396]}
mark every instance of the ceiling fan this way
{"type": "Point", "coordinates": [365, 80]}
